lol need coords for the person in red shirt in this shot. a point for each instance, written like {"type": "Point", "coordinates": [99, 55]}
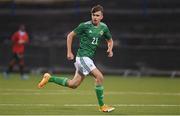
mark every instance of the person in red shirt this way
{"type": "Point", "coordinates": [19, 39]}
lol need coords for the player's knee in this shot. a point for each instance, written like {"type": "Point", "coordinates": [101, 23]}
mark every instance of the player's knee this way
{"type": "Point", "coordinates": [99, 79]}
{"type": "Point", "coordinates": [21, 64]}
{"type": "Point", "coordinates": [72, 84]}
{"type": "Point", "coordinates": [74, 87]}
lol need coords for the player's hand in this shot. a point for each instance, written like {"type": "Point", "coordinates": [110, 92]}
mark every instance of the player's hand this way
{"type": "Point", "coordinates": [70, 56]}
{"type": "Point", "coordinates": [21, 41]}
{"type": "Point", "coordinates": [110, 53]}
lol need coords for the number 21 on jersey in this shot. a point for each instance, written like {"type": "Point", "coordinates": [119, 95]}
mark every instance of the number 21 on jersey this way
{"type": "Point", "coordinates": [95, 41]}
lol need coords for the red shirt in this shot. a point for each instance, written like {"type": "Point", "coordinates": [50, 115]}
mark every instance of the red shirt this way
{"type": "Point", "coordinates": [16, 38]}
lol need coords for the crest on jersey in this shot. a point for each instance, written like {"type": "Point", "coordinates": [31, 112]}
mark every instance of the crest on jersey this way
{"type": "Point", "coordinates": [101, 32]}
{"type": "Point", "coordinates": [90, 31]}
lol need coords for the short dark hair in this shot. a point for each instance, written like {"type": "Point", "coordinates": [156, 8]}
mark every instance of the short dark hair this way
{"type": "Point", "coordinates": [97, 8]}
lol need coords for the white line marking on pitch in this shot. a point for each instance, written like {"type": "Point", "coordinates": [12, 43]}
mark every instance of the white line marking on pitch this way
{"type": "Point", "coordinates": [9, 91]}
{"type": "Point", "coordinates": [128, 105]}
{"type": "Point", "coordinates": [88, 93]}
{"type": "Point", "coordinates": [90, 105]}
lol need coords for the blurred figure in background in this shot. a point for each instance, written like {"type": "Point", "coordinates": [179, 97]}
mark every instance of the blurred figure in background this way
{"type": "Point", "coordinates": [19, 39]}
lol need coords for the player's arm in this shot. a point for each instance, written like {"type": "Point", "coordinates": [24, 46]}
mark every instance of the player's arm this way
{"type": "Point", "coordinates": [110, 47]}
{"type": "Point", "coordinates": [70, 37]}
{"type": "Point", "coordinates": [23, 40]}
{"type": "Point", "coordinates": [14, 38]}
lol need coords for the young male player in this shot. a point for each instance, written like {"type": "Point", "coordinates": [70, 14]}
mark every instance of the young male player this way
{"type": "Point", "coordinates": [90, 33]}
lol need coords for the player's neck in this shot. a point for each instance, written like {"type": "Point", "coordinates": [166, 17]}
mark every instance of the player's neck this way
{"type": "Point", "coordinates": [95, 24]}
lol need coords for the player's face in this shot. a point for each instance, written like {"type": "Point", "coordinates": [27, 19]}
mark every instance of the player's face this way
{"type": "Point", "coordinates": [22, 28]}
{"type": "Point", "coordinates": [96, 17]}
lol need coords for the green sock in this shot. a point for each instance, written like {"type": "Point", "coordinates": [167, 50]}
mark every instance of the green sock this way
{"type": "Point", "coordinates": [99, 93]}
{"type": "Point", "coordinates": [59, 80]}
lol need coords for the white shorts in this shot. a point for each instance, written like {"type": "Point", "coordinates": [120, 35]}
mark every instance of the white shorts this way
{"type": "Point", "coordinates": [84, 65]}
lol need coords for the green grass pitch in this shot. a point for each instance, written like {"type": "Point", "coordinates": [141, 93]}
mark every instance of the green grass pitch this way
{"type": "Point", "coordinates": [129, 95]}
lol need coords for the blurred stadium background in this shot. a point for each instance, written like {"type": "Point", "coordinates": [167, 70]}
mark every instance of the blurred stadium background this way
{"type": "Point", "coordinates": [147, 44]}
{"type": "Point", "coordinates": [146, 34]}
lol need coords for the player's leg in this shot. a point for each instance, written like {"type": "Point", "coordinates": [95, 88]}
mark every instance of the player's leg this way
{"type": "Point", "coordinates": [98, 76]}
{"type": "Point", "coordinates": [98, 85]}
{"type": "Point", "coordinates": [63, 81]}
{"type": "Point", "coordinates": [87, 66]}
{"type": "Point", "coordinates": [10, 66]}
{"type": "Point", "coordinates": [12, 63]}
{"type": "Point", "coordinates": [76, 81]}
{"type": "Point", "coordinates": [21, 66]}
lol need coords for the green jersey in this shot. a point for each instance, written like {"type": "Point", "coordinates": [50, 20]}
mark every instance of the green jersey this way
{"type": "Point", "coordinates": [90, 37]}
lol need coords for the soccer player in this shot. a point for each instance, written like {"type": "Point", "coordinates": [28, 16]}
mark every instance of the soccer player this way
{"type": "Point", "coordinates": [19, 39]}
{"type": "Point", "coordinates": [90, 33]}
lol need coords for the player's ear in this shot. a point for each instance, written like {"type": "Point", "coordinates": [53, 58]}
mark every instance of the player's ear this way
{"type": "Point", "coordinates": [101, 17]}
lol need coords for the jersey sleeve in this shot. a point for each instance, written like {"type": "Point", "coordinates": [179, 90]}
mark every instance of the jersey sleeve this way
{"type": "Point", "coordinates": [27, 37]}
{"type": "Point", "coordinates": [107, 34]}
{"type": "Point", "coordinates": [14, 37]}
{"type": "Point", "coordinates": [78, 30]}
